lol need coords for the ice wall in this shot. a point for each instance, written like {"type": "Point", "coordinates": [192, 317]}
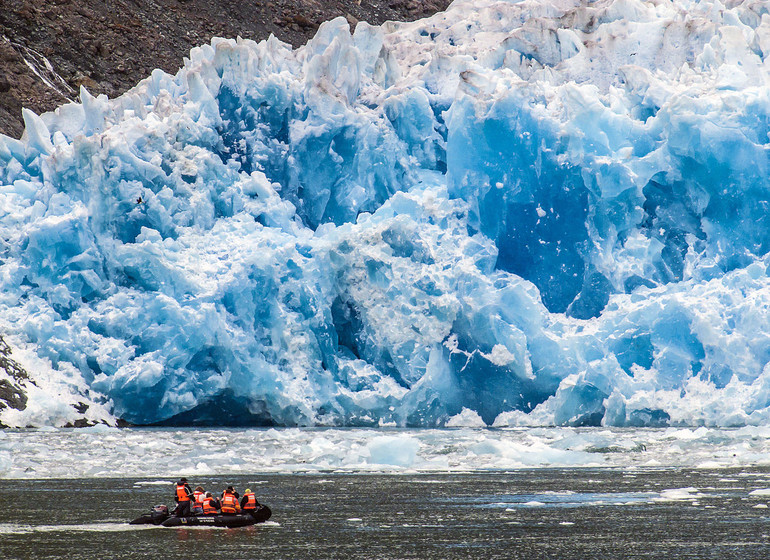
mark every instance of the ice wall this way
{"type": "Point", "coordinates": [529, 212]}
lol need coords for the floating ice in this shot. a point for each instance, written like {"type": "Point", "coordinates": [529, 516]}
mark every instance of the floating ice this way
{"type": "Point", "coordinates": [159, 456]}
{"type": "Point", "coordinates": [467, 419]}
{"type": "Point", "coordinates": [393, 450]}
{"type": "Point", "coordinates": [568, 499]}
{"type": "Point", "coordinates": [678, 494]}
{"type": "Point", "coordinates": [540, 212]}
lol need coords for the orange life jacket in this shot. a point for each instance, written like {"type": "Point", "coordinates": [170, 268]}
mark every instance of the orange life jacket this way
{"type": "Point", "coordinates": [229, 503]}
{"type": "Point", "coordinates": [199, 497]}
{"type": "Point", "coordinates": [181, 493]}
{"type": "Point", "coordinates": [208, 509]}
{"type": "Point", "coordinates": [251, 501]}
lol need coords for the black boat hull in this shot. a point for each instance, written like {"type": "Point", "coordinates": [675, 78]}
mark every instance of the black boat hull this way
{"type": "Point", "coordinates": [261, 515]}
{"type": "Point", "coordinates": [149, 519]}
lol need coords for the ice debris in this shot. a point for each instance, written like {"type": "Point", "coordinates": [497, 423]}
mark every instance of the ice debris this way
{"type": "Point", "coordinates": [540, 212]}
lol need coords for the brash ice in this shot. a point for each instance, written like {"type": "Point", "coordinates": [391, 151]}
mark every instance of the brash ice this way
{"type": "Point", "coordinates": [511, 213]}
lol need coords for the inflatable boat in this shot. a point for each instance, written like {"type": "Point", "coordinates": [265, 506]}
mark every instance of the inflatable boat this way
{"type": "Point", "coordinates": [160, 516]}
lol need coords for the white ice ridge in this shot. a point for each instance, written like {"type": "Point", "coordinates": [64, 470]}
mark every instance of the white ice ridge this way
{"type": "Point", "coordinates": [156, 457]}
{"type": "Point", "coordinates": [511, 213]}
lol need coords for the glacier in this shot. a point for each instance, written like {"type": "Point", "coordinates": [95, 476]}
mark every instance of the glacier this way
{"type": "Point", "coordinates": [513, 213]}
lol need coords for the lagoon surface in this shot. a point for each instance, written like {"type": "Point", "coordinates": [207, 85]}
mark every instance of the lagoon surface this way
{"type": "Point", "coordinates": [555, 513]}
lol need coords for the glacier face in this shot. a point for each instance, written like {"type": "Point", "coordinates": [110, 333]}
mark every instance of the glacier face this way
{"type": "Point", "coordinates": [524, 213]}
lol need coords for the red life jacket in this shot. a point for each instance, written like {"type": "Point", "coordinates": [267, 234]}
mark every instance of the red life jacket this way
{"type": "Point", "coordinates": [229, 503]}
{"type": "Point", "coordinates": [208, 509]}
{"type": "Point", "coordinates": [251, 501]}
{"type": "Point", "coordinates": [181, 493]}
{"type": "Point", "coordinates": [199, 497]}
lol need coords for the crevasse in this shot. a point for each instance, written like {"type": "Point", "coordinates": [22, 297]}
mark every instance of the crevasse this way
{"type": "Point", "coordinates": [511, 213]}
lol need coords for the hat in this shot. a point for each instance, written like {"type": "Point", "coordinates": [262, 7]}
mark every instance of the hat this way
{"type": "Point", "coordinates": [183, 479]}
{"type": "Point", "coordinates": [230, 488]}
{"type": "Point", "coordinates": [247, 491]}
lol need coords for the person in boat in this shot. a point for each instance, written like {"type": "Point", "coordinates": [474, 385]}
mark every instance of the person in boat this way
{"type": "Point", "coordinates": [211, 505]}
{"type": "Point", "coordinates": [249, 501]}
{"type": "Point", "coordinates": [197, 501]}
{"type": "Point", "coordinates": [183, 498]}
{"type": "Point", "coordinates": [229, 502]}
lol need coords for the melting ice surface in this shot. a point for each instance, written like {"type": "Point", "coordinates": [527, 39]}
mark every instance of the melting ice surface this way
{"type": "Point", "coordinates": [158, 456]}
{"type": "Point", "coordinates": [511, 213]}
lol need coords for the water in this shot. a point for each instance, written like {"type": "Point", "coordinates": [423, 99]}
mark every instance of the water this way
{"type": "Point", "coordinates": [560, 493]}
{"type": "Point", "coordinates": [534, 513]}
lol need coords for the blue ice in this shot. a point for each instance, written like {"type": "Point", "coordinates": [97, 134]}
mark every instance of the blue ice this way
{"type": "Point", "coordinates": [507, 214]}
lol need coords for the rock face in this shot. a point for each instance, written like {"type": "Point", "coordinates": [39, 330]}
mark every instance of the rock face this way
{"type": "Point", "coordinates": [49, 49]}
{"type": "Point", "coordinates": [14, 377]}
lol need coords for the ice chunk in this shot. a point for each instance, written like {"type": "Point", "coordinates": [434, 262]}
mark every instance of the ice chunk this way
{"type": "Point", "coordinates": [466, 418]}
{"type": "Point", "coordinates": [678, 494]}
{"type": "Point", "coordinates": [393, 450]}
{"type": "Point", "coordinates": [36, 133]}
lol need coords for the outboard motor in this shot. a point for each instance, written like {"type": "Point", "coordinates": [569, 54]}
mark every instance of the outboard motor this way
{"type": "Point", "coordinates": [160, 512]}
{"type": "Point", "coordinates": [157, 515]}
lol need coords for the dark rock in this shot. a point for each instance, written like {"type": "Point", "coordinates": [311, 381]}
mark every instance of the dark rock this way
{"type": "Point", "coordinates": [81, 407]}
{"type": "Point", "coordinates": [80, 423]}
{"type": "Point", "coordinates": [11, 368]}
{"type": "Point", "coordinates": [12, 395]}
{"type": "Point", "coordinates": [12, 390]}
